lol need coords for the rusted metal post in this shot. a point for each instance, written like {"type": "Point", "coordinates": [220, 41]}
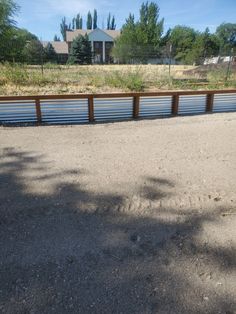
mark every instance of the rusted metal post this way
{"type": "Point", "coordinates": [209, 102]}
{"type": "Point", "coordinates": [91, 109]}
{"type": "Point", "coordinates": [175, 105]}
{"type": "Point", "coordinates": [38, 110]}
{"type": "Point", "coordinates": [136, 105]}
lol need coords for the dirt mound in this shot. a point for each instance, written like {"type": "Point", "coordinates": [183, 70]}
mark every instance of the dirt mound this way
{"type": "Point", "coordinates": [202, 70]}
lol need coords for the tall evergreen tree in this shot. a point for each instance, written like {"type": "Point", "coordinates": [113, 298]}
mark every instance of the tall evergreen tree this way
{"type": "Point", "coordinates": [81, 51]}
{"type": "Point", "coordinates": [113, 23]}
{"type": "Point", "coordinates": [64, 28]}
{"type": "Point", "coordinates": [81, 23]}
{"type": "Point", "coordinates": [95, 19]}
{"type": "Point", "coordinates": [56, 38]}
{"type": "Point", "coordinates": [89, 21]}
{"type": "Point", "coordinates": [73, 23]}
{"type": "Point", "coordinates": [78, 22]}
{"type": "Point", "coordinates": [109, 21]}
{"type": "Point", "coordinates": [50, 53]}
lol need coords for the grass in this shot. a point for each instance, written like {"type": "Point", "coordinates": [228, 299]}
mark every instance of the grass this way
{"type": "Point", "coordinates": [28, 80]}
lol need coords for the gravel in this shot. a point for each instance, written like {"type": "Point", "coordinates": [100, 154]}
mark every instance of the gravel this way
{"type": "Point", "coordinates": [131, 217]}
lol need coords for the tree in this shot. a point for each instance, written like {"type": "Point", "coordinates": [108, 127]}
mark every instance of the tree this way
{"type": "Point", "coordinates": [226, 33]}
{"type": "Point", "coordinates": [109, 21]}
{"type": "Point", "coordinates": [50, 54]}
{"type": "Point", "coordinates": [125, 48]}
{"type": "Point", "coordinates": [34, 52]}
{"type": "Point", "coordinates": [95, 19]}
{"type": "Point", "coordinates": [17, 43]}
{"type": "Point", "coordinates": [64, 28]}
{"type": "Point", "coordinates": [113, 23]}
{"type": "Point", "coordinates": [56, 38]}
{"type": "Point", "coordinates": [182, 39]}
{"type": "Point", "coordinates": [8, 8]}
{"type": "Point", "coordinates": [142, 39]}
{"type": "Point", "coordinates": [81, 51]}
{"type": "Point", "coordinates": [89, 21]}
{"type": "Point", "coordinates": [78, 22]}
{"type": "Point", "coordinates": [150, 29]}
{"type": "Point", "coordinates": [73, 24]}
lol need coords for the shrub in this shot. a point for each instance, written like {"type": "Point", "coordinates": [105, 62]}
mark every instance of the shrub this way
{"type": "Point", "coordinates": [15, 73]}
{"type": "Point", "coordinates": [132, 80]}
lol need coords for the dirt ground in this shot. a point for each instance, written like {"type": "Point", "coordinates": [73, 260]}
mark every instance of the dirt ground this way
{"type": "Point", "coordinates": [133, 217]}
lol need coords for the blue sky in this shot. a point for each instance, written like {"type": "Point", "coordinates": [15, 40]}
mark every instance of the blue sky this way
{"type": "Point", "coordinates": [42, 17]}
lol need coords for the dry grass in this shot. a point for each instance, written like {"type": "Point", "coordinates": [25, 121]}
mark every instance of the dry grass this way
{"type": "Point", "coordinates": [22, 80]}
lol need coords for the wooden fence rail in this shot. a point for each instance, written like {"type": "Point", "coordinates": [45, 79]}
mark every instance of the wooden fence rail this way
{"type": "Point", "coordinates": [136, 99]}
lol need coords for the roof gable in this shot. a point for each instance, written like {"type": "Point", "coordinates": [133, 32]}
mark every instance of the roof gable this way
{"type": "Point", "coordinates": [94, 34]}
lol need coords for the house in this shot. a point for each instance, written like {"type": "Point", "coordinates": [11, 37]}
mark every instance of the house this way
{"type": "Point", "coordinates": [61, 49]}
{"type": "Point", "coordinates": [102, 42]}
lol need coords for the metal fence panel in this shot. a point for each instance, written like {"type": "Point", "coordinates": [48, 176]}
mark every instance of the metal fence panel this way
{"type": "Point", "coordinates": [192, 104]}
{"type": "Point", "coordinates": [113, 109]}
{"type": "Point", "coordinates": [224, 103]}
{"type": "Point", "coordinates": [64, 111]}
{"type": "Point", "coordinates": [155, 106]}
{"type": "Point", "coordinates": [17, 112]}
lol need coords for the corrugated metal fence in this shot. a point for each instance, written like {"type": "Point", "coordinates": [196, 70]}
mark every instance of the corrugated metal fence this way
{"type": "Point", "coordinates": [83, 108]}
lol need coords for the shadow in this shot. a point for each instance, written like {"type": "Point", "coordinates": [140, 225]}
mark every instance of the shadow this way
{"type": "Point", "coordinates": [71, 250]}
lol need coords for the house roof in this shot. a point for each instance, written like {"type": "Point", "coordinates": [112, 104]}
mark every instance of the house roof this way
{"type": "Point", "coordinates": [70, 35]}
{"type": "Point", "coordinates": [60, 47]}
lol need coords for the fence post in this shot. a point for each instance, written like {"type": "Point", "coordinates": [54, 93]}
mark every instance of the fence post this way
{"type": "Point", "coordinates": [136, 103]}
{"type": "Point", "coordinates": [38, 110]}
{"type": "Point", "coordinates": [209, 103]}
{"type": "Point", "coordinates": [91, 108]}
{"type": "Point", "coordinates": [175, 105]}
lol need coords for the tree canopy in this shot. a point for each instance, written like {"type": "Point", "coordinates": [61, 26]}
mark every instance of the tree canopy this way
{"type": "Point", "coordinates": [142, 39]}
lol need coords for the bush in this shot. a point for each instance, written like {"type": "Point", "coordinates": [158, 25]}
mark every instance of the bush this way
{"type": "Point", "coordinates": [15, 73]}
{"type": "Point", "coordinates": [132, 81]}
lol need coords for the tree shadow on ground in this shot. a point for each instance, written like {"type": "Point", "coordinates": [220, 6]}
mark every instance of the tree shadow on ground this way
{"type": "Point", "coordinates": [74, 251]}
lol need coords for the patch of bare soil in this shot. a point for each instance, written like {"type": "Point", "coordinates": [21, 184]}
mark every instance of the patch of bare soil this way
{"type": "Point", "coordinates": [135, 217]}
{"type": "Point", "coordinates": [203, 70]}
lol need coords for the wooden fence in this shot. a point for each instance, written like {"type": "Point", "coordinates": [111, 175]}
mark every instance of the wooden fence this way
{"type": "Point", "coordinates": [102, 107]}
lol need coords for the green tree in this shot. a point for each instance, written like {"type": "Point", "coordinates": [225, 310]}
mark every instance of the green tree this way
{"type": "Point", "coordinates": [81, 51]}
{"type": "Point", "coordinates": [89, 21]}
{"type": "Point", "coordinates": [73, 23]}
{"type": "Point", "coordinates": [125, 48]}
{"type": "Point", "coordinates": [78, 22]}
{"type": "Point", "coordinates": [8, 8]}
{"type": "Point", "coordinates": [64, 28]}
{"type": "Point", "coordinates": [34, 52]}
{"type": "Point", "coordinates": [142, 39]}
{"type": "Point", "coordinates": [17, 43]}
{"type": "Point", "coordinates": [182, 39]}
{"type": "Point", "coordinates": [95, 19]}
{"type": "Point", "coordinates": [109, 21]}
{"type": "Point", "coordinates": [56, 38]}
{"type": "Point", "coordinates": [50, 54]}
{"type": "Point", "coordinates": [226, 33]}
{"type": "Point", "coordinates": [113, 23]}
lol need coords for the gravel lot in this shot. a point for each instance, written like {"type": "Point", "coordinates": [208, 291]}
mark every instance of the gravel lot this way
{"type": "Point", "coordinates": [133, 217]}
